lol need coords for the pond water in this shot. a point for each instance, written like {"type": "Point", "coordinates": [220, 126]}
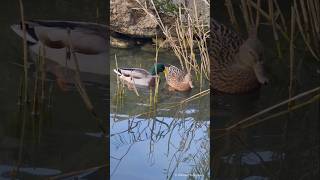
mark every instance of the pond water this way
{"type": "Point", "coordinates": [278, 144]}
{"type": "Point", "coordinates": [64, 141]}
{"type": "Point", "coordinates": [168, 141]}
{"type": "Point", "coordinates": [60, 141]}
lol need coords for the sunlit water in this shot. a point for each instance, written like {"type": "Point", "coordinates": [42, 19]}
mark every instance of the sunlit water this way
{"type": "Point", "coordinates": [170, 140]}
{"type": "Point", "coordinates": [148, 143]}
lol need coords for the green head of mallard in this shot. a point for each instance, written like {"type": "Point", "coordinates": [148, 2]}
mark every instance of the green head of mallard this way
{"type": "Point", "coordinates": [157, 68]}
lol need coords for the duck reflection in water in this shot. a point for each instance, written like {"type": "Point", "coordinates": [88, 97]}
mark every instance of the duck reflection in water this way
{"type": "Point", "coordinates": [67, 44]}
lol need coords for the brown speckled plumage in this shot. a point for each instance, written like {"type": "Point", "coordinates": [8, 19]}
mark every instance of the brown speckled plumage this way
{"type": "Point", "coordinates": [231, 72]}
{"type": "Point", "coordinates": [178, 79]}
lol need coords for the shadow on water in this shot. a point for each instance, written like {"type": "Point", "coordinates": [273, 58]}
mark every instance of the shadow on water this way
{"type": "Point", "coordinates": [49, 135]}
{"type": "Point", "coordinates": [261, 135]}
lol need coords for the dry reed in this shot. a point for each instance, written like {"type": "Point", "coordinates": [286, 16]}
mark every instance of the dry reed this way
{"type": "Point", "coordinates": [183, 36]}
{"type": "Point", "coordinates": [25, 52]}
{"type": "Point", "coordinates": [256, 115]}
{"type": "Point", "coordinates": [291, 54]}
{"type": "Point", "coordinates": [81, 88]}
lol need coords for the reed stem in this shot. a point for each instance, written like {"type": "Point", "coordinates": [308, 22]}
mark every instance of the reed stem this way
{"type": "Point", "coordinates": [293, 20]}
{"type": "Point", "coordinates": [25, 52]}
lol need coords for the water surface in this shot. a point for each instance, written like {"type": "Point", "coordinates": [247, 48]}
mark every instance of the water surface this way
{"type": "Point", "coordinates": [57, 141]}
{"type": "Point", "coordinates": [166, 141]}
{"type": "Point", "coordinates": [280, 144]}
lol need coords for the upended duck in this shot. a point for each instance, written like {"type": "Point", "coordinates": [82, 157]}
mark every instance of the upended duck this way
{"type": "Point", "coordinates": [139, 76]}
{"type": "Point", "coordinates": [236, 65]}
{"type": "Point", "coordinates": [87, 40]}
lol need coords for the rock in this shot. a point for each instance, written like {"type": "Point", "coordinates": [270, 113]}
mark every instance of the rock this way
{"type": "Point", "coordinates": [128, 18]}
{"type": "Point", "coordinates": [121, 43]}
{"type": "Point", "coordinates": [202, 10]}
{"type": "Point", "coordinates": [148, 47]}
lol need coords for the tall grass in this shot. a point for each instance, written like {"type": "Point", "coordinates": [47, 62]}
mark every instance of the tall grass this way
{"type": "Point", "coordinates": [308, 23]}
{"type": "Point", "coordinates": [187, 38]}
{"type": "Point", "coordinates": [24, 95]}
{"type": "Point", "coordinates": [247, 121]}
{"type": "Point", "coordinates": [233, 20]}
{"type": "Point", "coordinates": [291, 49]}
{"type": "Point", "coordinates": [306, 16]}
{"type": "Point", "coordinates": [35, 98]}
{"type": "Point", "coordinates": [304, 21]}
{"type": "Point", "coordinates": [187, 33]}
{"type": "Point", "coordinates": [25, 52]}
{"type": "Point", "coordinates": [289, 29]}
{"type": "Point", "coordinates": [119, 92]}
{"type": "Point", "coordinates": [80, 87]}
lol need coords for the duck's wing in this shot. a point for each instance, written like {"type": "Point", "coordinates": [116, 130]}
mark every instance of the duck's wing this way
{"type": "Point", "coordinates": [84, 27]}
{"type": "Point", "coordinates": [86, 38]}
{"type": "Point", "coordinates": [136, 73]}
{"type": "Point", "coordinates": [224, 42]}
{"type": "Point", "coordinates": [176, 73]}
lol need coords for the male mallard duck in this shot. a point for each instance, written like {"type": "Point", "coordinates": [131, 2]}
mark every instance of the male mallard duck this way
{"type": "Point", "coordinates": [177, 79]}
{"type": "Point", "coordinates": [87, 40]}
{"type": "Point", "coordinates": [236, 65]}
{"type": "Point", "coordinates": [138, 76]}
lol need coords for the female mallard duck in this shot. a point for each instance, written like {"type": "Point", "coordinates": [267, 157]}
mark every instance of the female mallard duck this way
{"type": "Point", "coordinates": [138, 76]}
{"type": "Point", "coordinates": [236, 65]}
{"type": "Point", "coordinates": [177, 79]}
{"type": "Point", "coordinates": [87, 40]}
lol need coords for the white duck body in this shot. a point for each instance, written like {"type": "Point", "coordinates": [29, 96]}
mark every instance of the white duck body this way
{"type": "Point", "coordinates": [95, 64]}
{"type": "Point", "coordinates": [87, 40]}
{"type": "Point", "coordinates": [136, 76]}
